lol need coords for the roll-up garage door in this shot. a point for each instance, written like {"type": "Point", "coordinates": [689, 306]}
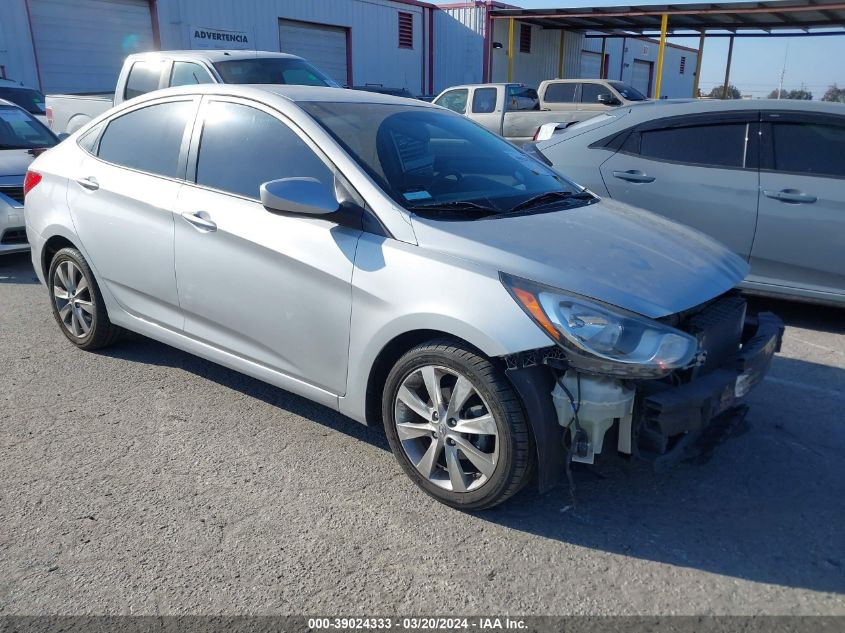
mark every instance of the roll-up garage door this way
{"type": "Point", "coordinates": [81, 44]}
{"type": "Point", "coordinates": [641, 76]}
{"type": "Point", "coordinates": [323, 46]}
{"type": "Point", "coordinates": [590, 65]}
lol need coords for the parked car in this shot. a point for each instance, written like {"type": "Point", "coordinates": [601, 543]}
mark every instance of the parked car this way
{"type": "Point", "coordinates": [585, 98]}
{"type": "Point", "coordinates": [22, 138]}
{"type": "Point", "coordinates": [767, 178]}
{"type": "Point", "coordinates": [396, 262]}
{"type": "Point", "coordinates": [145, 72]}
{"type": "Point", "coordinates": [509, 110]}
{"type": "Point", "coordinates": [27, 98]}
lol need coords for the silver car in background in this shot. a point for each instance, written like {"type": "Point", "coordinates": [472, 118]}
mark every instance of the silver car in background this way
{"type": "Point", "coordinates": [766, 178]}
{"type": "Point", "coordinates": [22, 138]}
{"type": "Point", "coordinates": [396, 262]}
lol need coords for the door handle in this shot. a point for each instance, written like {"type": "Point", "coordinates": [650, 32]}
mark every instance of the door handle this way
{"type": "Point", "coordinates": [633, 175]}
{"type": "Point", "coordinates": [201, 221]}
{"type": "Point", "coordinates": [89, 182]}
{"type": "Point", "coordinates": [790, 195]}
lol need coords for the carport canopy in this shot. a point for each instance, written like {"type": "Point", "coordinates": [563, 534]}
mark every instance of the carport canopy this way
{"type": "Point", "coordinates": [782, 18]}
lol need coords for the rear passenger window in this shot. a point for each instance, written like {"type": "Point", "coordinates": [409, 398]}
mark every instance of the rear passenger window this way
{"type": "Point", "coordinates": [809, 148]}
{"type": "Point", "coordinates": [189, 73]}
{"type": "Point", "coordinates": [242, 148]}
{"type": "Point", "coordinates": [560, 93]}
{"type": "Point", "coordinates": [720, 145]}
{"type": "Point", "coordinates": [484, 100]}
{"type": "Point", "coordinates": [148, 139]}
{"type": "Point", "coordinates": [455, 100]}
{"type": "Point", "coordinates": [590, 92]}
{"type": "Point", "coordinates": [143, 77]}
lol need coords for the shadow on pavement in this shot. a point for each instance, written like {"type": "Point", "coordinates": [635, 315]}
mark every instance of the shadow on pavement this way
{"type": "Point", "coordinates": [17, 269]}
{"type": "Point", "coordinates": [767, 506]}
{"type": "Point", "coordinates": [804, 315]}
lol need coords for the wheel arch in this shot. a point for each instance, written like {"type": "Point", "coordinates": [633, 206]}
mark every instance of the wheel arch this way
{"type": "Point", "coordinates": [391, 352]}
{"type": "Point", "coordinates": [52, 246]}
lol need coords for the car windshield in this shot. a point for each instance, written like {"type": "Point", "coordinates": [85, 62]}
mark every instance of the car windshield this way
{"type": "Point", "coordinates": [30, 100]}
{"type": "Point", "coordinates": [272, 70]}
{"type": "Point", "coordinates": [19, 130]}
{"type": "Point", "coordinates": [628, 92]}
{"type": "Point", "coordinates": [433, 161]}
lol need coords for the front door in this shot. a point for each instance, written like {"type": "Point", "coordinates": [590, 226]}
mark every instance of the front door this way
{"type": "Point", "coordinates": [274, 289]}
{"type": "Point", "coordinates": [800, 240]}
{"type": "Point", "coordinates": [700, 171]}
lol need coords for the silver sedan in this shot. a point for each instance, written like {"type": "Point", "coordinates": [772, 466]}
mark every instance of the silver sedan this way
{"type": "Point", "coordinates": [394, 261]}
{"type": "Point", "coordinates": [766, 178]}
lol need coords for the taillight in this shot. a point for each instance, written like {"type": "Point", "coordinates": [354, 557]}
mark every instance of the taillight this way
{"type": "Point", "coordinates": [31, 179]}
{"type": "Point", "coordinates": [536, 134]}
{"type": "Point", "coordinates": [49, 111]}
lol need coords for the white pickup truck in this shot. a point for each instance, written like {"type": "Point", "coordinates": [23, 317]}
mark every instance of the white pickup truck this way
{"type": "Point", "coordinates": [146, 72]}
{"type": "Point", "coordinates": [509, 110]}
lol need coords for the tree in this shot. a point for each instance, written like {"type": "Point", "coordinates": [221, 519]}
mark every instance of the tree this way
{"type": "Point", "coordinates": [733, 92]}
{"type": "Point", "coordinates": [800, 95]}
{"type": "Point", "coordinates": [834, 93]}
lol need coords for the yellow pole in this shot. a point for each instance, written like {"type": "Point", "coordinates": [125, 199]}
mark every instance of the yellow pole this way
{"type": "Point", "coordinates": [510, 49]}
{"type": "Point", "coordinates": [698, 66]}
{"type": "Point", "coordinates": [560, 57]}
{"type": "Point", "coordinates": [664, 24]}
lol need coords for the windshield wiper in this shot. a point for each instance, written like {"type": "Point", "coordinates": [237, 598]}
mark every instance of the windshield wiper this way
{"type": "Point", "coordinates": [550, 197]}
{"type": "Point", "coordinates": [455, 206]}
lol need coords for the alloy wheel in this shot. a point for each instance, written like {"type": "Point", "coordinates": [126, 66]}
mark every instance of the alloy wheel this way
{"type": "Point", "coordinates": [72, 296]}
{"type": "Point", "coordinates": [446, 428]}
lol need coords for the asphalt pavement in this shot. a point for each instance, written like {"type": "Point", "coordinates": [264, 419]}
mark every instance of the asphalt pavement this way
{"type": "Point", "coordinates": [143, 480]}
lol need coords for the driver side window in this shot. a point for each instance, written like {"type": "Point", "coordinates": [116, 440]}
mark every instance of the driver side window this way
{"type": "Point", "coordinates": [243, 147]}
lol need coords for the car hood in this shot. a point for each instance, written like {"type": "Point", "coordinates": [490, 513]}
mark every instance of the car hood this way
{"type": "Point", "coordinates": [14, 163]}
{"type": "Point", "coordinates": [607, 250]}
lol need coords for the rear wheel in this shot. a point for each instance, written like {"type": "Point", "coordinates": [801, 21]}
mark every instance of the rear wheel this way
{"type": "Point", "coordinates": [456, 426]}
{"type": "Point", "coordinates": [77, 303]}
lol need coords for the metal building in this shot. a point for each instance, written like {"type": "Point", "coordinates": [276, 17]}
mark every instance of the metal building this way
{"type": "Point", "coordinates": [79, 45]}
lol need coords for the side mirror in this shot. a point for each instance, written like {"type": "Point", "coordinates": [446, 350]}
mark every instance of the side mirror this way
{"type": "Point", "coordinates": [608, 99]}
{"type": "Point", "coordinates": [299, 195]}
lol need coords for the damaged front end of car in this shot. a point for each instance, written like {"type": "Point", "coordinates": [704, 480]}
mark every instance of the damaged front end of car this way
{"type": "Point", "coordinates": [615, 380]}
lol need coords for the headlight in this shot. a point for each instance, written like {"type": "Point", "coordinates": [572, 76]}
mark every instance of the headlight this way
{"type": "Point", "coordinates": [600, 338]}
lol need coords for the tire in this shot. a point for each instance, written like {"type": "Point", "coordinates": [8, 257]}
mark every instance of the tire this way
{"type": "Point", "coordinates": [77, 304]}
{"type": "Point", "coordinates": [472, 455]}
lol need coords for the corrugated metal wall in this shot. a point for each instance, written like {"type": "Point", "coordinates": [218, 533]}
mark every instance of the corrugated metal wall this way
{"type": "Point", "coordinates": [376, 57]}
{"type": "Point", "coordinates": [543, 60]}
{"type": "Point", "coordinates": [15, 44]}
{"type": "Point", "coordinates": [675, 84]}
{"type": "Point", "coordinates": [459, 46]}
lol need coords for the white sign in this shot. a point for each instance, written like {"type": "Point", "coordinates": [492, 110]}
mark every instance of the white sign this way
{"type": "Point", "coordinates": [203, 37]}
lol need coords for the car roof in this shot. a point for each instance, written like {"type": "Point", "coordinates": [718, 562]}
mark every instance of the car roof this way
{"type": "Point", "coordinates": [215, 55]}
{"type": "Point", "coordinates": [670, 107]}
{"type": "Point", "coordinates": [289, 92]}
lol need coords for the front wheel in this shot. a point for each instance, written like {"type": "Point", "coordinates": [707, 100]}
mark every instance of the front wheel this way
{"type": "Point", "coordinates": [456, 426]}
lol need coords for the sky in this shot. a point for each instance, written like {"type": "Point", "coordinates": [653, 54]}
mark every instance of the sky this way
{"type": "Point", "coordinates": [811, 62]}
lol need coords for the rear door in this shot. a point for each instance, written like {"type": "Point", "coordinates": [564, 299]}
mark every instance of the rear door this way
{"type": "Point", "coordinates": [800, 240]}
{"type": "Point", "coordinates": [121, 199]}
{"type": "Point", "coordinates": [560, 96]}
{"type": "Point", "coordinates": [271, 288]}
{"type": "Point", "coordinates": [699, 170]}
